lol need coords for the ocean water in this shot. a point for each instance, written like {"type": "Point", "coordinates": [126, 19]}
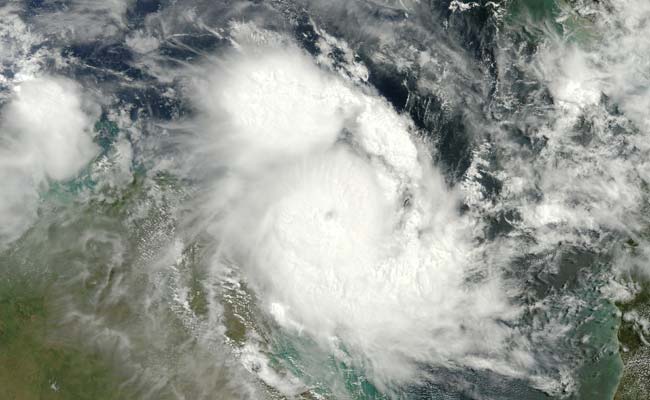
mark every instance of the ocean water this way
{"type": "Point", "coordinates": [366, 199]}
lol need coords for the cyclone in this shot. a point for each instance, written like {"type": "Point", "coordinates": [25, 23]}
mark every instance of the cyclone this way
{"type": "Point", "coordinates": [306, 199]}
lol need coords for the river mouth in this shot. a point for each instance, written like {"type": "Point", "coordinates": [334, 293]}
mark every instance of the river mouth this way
{"type": "Point", "coordinates": [342, 200]}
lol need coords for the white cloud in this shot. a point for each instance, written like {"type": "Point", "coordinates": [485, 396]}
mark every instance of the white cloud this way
{"type": "Point", "coordinates": [45, 134]}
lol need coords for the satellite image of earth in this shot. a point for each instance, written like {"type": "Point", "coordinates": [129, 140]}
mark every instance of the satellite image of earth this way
{"type": "Point", "coordinates": [325, 199]}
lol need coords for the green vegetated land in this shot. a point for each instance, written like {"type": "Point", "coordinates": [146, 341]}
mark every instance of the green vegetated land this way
{"type": "Point", "coordinates": [635, 352]}
{"type": "Point", "coordinates": [33, 367]}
